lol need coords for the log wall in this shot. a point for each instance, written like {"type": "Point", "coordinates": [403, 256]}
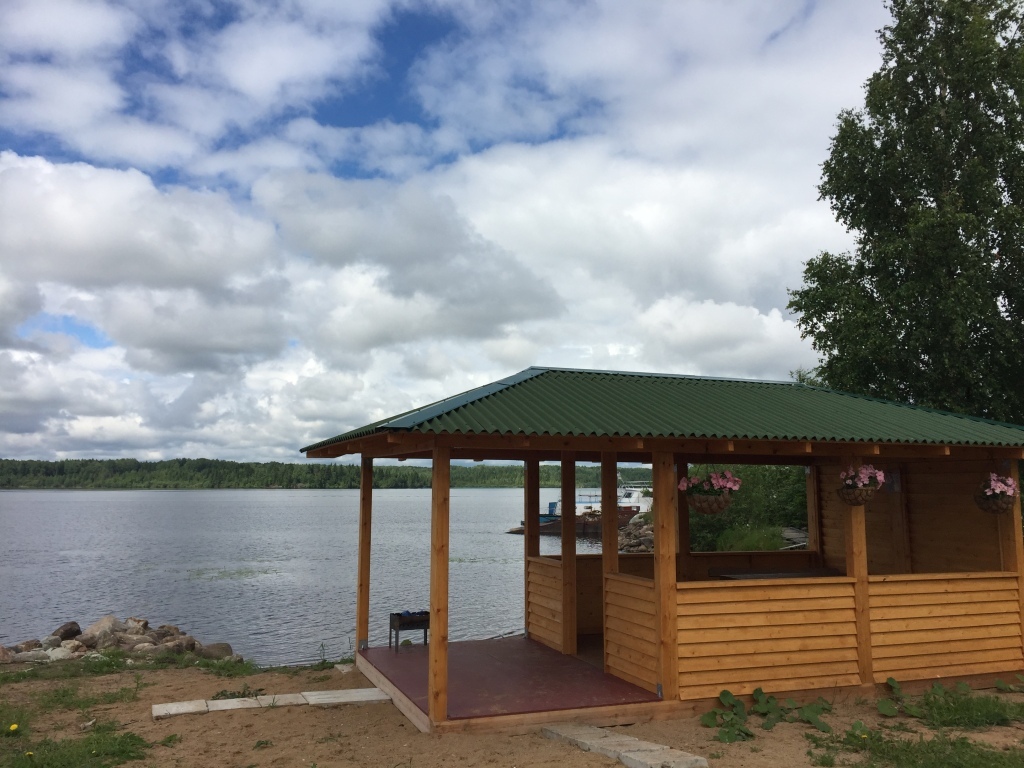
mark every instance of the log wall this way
{"type": "Point", "coordinates": [944, 625]}
{"type": "Point", "coordinates": [778, 634]}
{"type": "Point", "coordinates": [544, 601]}
{"type": "Point", "coordinates": [630, 646]}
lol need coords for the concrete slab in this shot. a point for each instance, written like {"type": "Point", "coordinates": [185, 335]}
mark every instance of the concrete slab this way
{"type": "Point", "coordinates": [282, 700]}
{"type": "Point", "coordinates": [195, 707]}
{"type": "Point", "coordinates": [351, 696]}
{"type": "Point", "coordinates": [344, 668]}
{"type": "Point", "coordinates": [665, 757]}
{"type": "Point", "coordinates": [573, 733]}
{"type": "Point", "coordinates": [222, 705]}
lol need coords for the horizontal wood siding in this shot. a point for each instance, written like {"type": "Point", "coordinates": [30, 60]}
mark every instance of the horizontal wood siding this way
{"type": "Point", "coordinates": [942, 626]}
{"type": "Point", "coordinates": [700, 566]}
{"type": "Point", "coordinates": [544, 601]}
{"type": "Point", "coordinates": [630, 647]}
{"type": "Point", "coordinates": [779, 634]}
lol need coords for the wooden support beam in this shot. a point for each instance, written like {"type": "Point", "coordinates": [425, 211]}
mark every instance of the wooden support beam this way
{"type": "Point", "coordinates": [665, 598]}
{"type": "Point", "coordinates": [683, 522]}
{"type": "Point", "coordinates": [813, 513]}
{"type": "Point", "coordinates": [437, 654]}
{"type": "Point", "coordinates": [855, 534]}
{"type": "Point", "coordinates": [531, 529]}
{"type": "Point", "coordinates": [609, 530]}
{"type": "Point", "coordinates": [363, 578]}
{"type": "Point", "coordinates": [1011, 541]}
{"type": "Point", "coordinates": [569, 553]}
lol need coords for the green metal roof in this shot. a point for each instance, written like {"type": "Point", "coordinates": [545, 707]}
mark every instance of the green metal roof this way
{"type": "Point", "coordinates": [567, 402]}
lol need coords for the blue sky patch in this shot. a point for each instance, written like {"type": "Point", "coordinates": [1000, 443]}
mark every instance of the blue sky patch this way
{"type": "Point", "coordinates": [44, 322]}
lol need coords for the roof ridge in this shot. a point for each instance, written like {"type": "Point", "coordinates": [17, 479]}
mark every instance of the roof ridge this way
{"type": "Point", "coordinates": [656, 375]}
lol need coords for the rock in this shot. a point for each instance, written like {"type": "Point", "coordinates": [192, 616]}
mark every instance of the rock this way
{"type": "Point", "coordinates": [33, 655]}
{"type": "Point", "coordinates": [73, 645]}
{"type": "Point", "coordinates": [109, 623]}
{"type": "Point", "coordinates": [6, 655]}
{"type": "Point", "coordinates": [68, 631]}
{"type": "Point", "coordinates": [188, 642]}
{"type": "Point", "coordinates": [107, 639]}
{"type": "Point", "coordinates": [88, 640]}
{"type": "Point", "coordinates": [147, 649]}
{"type": "Point", "coordinates": [128, 642]}
{"type": "Point", "coordinates": [50, 641]}
{"type": "Point", "coordinates": [27, 645]}
{"type": "Point", "coordinates": [215, 651]}
{"type": "Point", "coordinates": [174, 645]}
{"type": "Point", "coordinates": [135, 626]}
{"type": "Point", "coordinates": [58, 654]}
{"type": "Point", "coordinates": [169, 629]}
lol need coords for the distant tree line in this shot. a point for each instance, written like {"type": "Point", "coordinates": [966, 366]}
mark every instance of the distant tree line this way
{"type": "Point", "coordinates": [213, 473]}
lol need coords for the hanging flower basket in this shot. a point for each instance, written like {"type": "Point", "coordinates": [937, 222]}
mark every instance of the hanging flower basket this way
{"type": "Point", "coordinates": [710, 505]}
{"type": "Point", "coordinates": [856, 497]}
{"type": "Point", "coordinates": [710, 494]}
{"type": "Point", "coordinates": [860, 484]}
{"type": "Point", "coordinates": [996, 494]}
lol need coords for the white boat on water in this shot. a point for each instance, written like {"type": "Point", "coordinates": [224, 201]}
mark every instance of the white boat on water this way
{"type": "Point", "coordinates": [630, 500]}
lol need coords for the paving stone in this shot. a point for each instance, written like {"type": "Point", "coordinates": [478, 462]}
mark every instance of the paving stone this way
{"type": "Point", "coordinates": [195, 707]}
{"type": "Point", "coordinates": [220, 705]}
{"type": "Point", "coordinates": [351, 696]}
{"type": "Point", "coordinates": [663, 757]}
{"type": "Point", "coordinates": [344, 668]}
{"type": "Point", "coordinates": [612, 745]}
{"type": "Point", "coordinates": [282, 700]}
{"type": "Point", "coordinates": [573, 733]}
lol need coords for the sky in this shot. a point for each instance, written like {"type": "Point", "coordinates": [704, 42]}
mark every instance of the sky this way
{"type": "Point", "coordinates": [232, 229]}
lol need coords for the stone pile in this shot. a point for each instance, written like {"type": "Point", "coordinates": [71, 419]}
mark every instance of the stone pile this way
{"type": "Point", "coordinates": [637, 536]}
{"type": "Point", "coordinates": [69, 641]}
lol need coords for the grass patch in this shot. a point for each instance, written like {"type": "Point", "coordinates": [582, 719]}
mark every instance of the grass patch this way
{"type": "Point", "coordinates": [67, 697]}
{"type": "Point", "coordinates": [245, 693]}
{"type": "Point", "coordinates": [102, 747]}
{"type": "Point", "coordinates": [880, 749]}
{"type": "Point", "coordinates": [959, 708]}
{"type": "Point", "coordinates": [748, 538]}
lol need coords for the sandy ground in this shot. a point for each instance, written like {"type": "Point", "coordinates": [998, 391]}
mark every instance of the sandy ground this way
{"type": "Point", "coordinates": [378, 734]}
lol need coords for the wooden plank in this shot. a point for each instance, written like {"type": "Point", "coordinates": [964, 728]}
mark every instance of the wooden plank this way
{"type": "Point", "coordinates": [531, 522]}
{"type": "Point", "coordinates": [760, 660]}
{"type": "Point", "coordinates": [965, 647]}
{"type": "Point", "coordinates": [813, 511]}
{"type": "Point", "coordinates": [549, 629]}
{"type": "Point", "coordinates": [634, 617]}
{"type": "Point", "coordinates": [616, 624]}
{"type": "Point", "coordinates": [774, 619]}
{"type": "Point", "coordinates": [791, 673]}
{"type": "Point", "coordinates": [630, 590]}
{"type": "Point", "coordinates": [627, 578]}
{"type": "Point", "coordinates": [950, 610]}
{"type": "Point", "coordinates": [631, 641]}
{"type": "Point", "coordinates": [1005, 656]}
{"type": "Point", "coordinates": [855, 536]}
{"type": "Point", "coordinates": [623, 666]}
{"type": "Point", "coordinates": [908, 637]}
{"type": "Point", "coordinates": [771, 645]}
{"type": "Point", "coordinates": [892, 581]}
{"type": "Point", "coordinates": [942, 598]}
{"type": "Point", "coordinates": [900, 531]}
{"type": "Point", "coordinates": [940, 622]}
{"type": "Point", "coordinates": [639, 682]}
{"type": "Point", "coordinates": [811, 684]}
{"type": "Point", "coordinates": [437, 688]}
{"type": "Point", "coordinates": [1011, 542]}
{"type": "Point", "coordinates": [363, 578]}
{"type": "Point", "coordinates": [402, 702]}
{"type": "Point", "coordinates": [609, 514]}
{"type": "Point", "coordinates": [568, 552]}
{"type": "Point", "coordinates": [634, 604]}
{"type": "Point", "coordinates": [746, 634]}
{"type": "Point", "coordinates": [551, 614]}
{"type": "Point", "coordinates": [633, 656]}
{"type": "Point", "coordinates": [765, 590]}
{"type": "Point", "coordinates": [773, 606]}
{"type": "Point", "coordinates": [952, 671]}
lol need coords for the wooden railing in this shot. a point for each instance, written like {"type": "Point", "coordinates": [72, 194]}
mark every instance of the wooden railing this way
{"type": "Point", "coordinates": [777, 634]}
{"type": "Point", "coordinates": [630, 650]}
{"type": "Point", "coordinates": [941, 625]}
{"type": "Point", "coordinates": [544, 601]}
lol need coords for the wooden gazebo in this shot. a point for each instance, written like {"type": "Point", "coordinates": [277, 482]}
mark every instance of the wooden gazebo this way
{"type": "Point", "coordinates": [919, 583]}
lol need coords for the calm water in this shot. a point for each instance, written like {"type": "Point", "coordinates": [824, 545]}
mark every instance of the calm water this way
{"type": "Point", "coordinates": [271, 572]}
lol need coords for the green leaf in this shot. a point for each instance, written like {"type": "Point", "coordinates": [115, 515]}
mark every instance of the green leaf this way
{"type": "Point", "coordinates": [709, 719]}
{"type": "Point", "coordinates": [887, 708]}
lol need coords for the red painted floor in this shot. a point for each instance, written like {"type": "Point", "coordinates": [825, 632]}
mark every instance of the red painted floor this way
{"type": "Point", "coordinates": [510, 675]}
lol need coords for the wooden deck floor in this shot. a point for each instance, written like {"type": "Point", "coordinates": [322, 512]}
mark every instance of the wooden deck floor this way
{"type": "Point", "coordinates": [506, 676]}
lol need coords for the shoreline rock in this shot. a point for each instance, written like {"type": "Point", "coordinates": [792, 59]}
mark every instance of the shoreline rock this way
{"type": "Point", "coordinates": [133, 635]}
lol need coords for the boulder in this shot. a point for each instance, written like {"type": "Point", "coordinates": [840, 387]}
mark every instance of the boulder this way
{"type": "Point", "coordinates": [215, 651]}
{"type": "Point", "coordinates": [6, 655]}
{"type": "Point", "coordinates": [109, 623]}
{"type": "Point", "coordinates": [73, 645]}
{"type": "Point", "coordinates": [34, 655]}
{"type": "Point", "coordinates": [188, 643]}
{"type": "Point", "coordinates": [135, 626]}
{"type": "Point", "coordinates": [88, 640]}
{"type": "Point", "coordinates": [50, 641]}
{"type": "Point", "coordinates": [168, 629]}
{"type": "Point", "coordinates": [147, 649]}
{"type": "Point", "coordinates": [107, 639]}
{"type": "Point", "coordinates": [27, 645]}
{"type": "Point", "coordinates": [68, 631]}
{"type": "Point", "coordinates": [58, 654]}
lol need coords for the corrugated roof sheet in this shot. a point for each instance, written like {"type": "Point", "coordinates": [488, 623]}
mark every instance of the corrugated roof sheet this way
{"type": "Point", "coordinates": [553, 401]}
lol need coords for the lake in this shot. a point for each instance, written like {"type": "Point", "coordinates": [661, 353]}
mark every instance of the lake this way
{"type": "Point", "coordinates": [273, 572]}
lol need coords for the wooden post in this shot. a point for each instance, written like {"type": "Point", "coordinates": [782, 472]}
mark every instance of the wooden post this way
{"type": "Point", "coordinates": [569, 553]}
{"type": "Point", "coordinates": [855, 534]}
{"type": "Point", "coordinates": [437, 682]}
{"type": "Point", "coordinates": [531, 529]}
{"type": "Point", "coordinates": [363, 580]}
{"type": "Point", "coordinates": [1012, 543]}
{"type": "Point", "coordinates": [683, 522]}
{"type": "Point", "coordinates": [665, 592]}
{"type": "Point", "coordinates": [609, 531]}
{"type": "Point", "coordinates": [903, 562]}
{"type": "Point", "coordinates": [814, 514]}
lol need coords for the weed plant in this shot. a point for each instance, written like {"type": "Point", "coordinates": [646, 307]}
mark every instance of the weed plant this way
{"type": "Point", "coordinates": [103, 746]}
